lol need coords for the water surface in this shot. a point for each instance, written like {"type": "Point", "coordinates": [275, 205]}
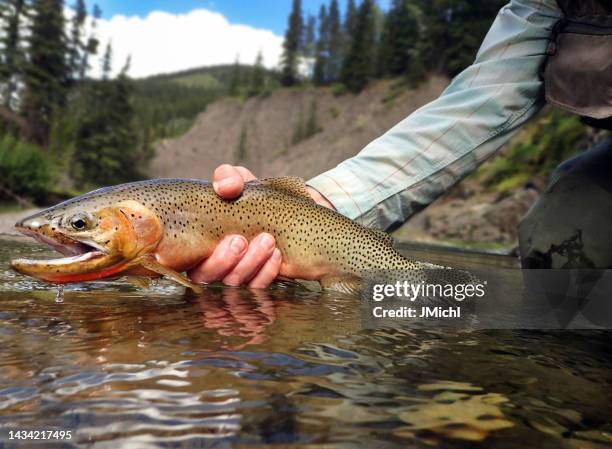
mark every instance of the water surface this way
{"type": "Point", "coordinates": [125, 366]}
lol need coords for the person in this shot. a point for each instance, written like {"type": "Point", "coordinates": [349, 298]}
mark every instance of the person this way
{"type": "Point", "coordinates": [435, 147]}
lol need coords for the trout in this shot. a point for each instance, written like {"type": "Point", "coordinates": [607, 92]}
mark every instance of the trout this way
{"type": "Point", "coordinates": [165, 227]}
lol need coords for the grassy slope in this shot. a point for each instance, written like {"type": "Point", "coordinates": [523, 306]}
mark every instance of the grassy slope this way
{"type": "Point", "coordinates": [213, 77]}
{"type": "Point", "coordinates": [168, 103]}
{"type": "Point", "coordinates": [549, 139]}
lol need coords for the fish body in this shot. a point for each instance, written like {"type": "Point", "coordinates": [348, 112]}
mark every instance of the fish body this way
{"type": "Point", "coordinates": [168, 226]}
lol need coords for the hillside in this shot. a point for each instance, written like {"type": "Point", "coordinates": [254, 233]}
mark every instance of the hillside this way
{"type": "Point", "coordinates": [260, 132]}
{"type": "Point", "coordinates": [167, 104]}
{"type": "Point", "coordinates": [209, 77]}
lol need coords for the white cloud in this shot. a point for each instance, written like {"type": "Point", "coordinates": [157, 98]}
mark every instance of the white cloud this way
{"type": "Point", "coordinates": [164, 42]}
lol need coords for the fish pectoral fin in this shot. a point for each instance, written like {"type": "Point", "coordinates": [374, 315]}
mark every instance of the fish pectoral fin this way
{"type": "Point", "coordinates": [288, 184]}
{"type": "Point", "coordinates": [343, 283]}
{"type": "Point", "coordinates": [150, 263]}
{"type": "Point", "coordinates": [285, 282]}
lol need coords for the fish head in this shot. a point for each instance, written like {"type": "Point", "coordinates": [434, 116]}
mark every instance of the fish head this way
{"type": "Point", "coordinates": [99, 237]}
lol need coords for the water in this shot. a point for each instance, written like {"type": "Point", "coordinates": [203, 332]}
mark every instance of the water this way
{"type": "Point", "coordinates": [123, 366]}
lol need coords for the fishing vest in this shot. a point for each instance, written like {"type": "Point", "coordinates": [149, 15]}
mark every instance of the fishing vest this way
{"type": "Point", "coordinates": [578, 70]}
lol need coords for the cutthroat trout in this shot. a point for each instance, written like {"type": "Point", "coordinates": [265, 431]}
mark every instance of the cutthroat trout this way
{"type": "Point", "coordinates": [164, 227]}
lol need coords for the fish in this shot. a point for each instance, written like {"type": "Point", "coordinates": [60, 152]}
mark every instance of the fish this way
{"type": "Point", "coordinates": [165, 227]}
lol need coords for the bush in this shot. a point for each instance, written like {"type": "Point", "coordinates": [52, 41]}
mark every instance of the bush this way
{"type": "Point", "coordinates": [24, 169]}
{"type": "Point", "coordinates": [338, 89]}
{"type": "Point", "coordinates": [543, 144]}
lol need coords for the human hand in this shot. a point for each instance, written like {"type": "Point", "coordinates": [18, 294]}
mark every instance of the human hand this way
{"type": "Point", "coordinates": [235, 261]}
{"type": "Point", "coordinates": [228, 182]}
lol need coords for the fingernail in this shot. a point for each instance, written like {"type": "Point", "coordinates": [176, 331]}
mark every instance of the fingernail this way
{"type": "Point", "coordinates": [225, 183]}
{"type": "Point", "coordinates": [215, 186]}
{"type": "Point", "coordinates": [237, 245]}
{"type": "Point", "coordinates": [266, 241]}
{"type": "Point", "coordinates": [276, 255]}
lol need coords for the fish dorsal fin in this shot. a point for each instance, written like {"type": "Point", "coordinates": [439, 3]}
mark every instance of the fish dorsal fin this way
{"type": "Point", "coordinates": [383, 236]}
{"type": "Point", "coordinates": [288, 184]}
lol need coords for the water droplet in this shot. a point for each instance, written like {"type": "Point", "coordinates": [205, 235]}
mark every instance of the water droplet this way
{"type": "Point", "coordinates": [59, 297]}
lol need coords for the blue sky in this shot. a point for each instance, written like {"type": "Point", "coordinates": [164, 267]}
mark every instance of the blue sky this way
{"type": "Point", "coordinates": [165, 36]}
{"type": "Point", "coordinates": [269, 14]}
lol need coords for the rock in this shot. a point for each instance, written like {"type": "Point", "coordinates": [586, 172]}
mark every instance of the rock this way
{"type": "Point", "coordinates": [476, 217]}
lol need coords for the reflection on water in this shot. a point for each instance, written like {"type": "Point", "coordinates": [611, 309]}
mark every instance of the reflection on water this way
{"type": "Point", "coordinates": [126, 366]}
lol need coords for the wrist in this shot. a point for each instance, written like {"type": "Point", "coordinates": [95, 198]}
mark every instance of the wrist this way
{"type": "Point", "coordinates": [319, 198]}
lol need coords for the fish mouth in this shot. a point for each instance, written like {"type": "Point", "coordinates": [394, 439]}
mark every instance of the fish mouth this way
{"type": "Point", "coordinates": [63, 244]}
{"type": "Point", "coordinates": [83, 261]}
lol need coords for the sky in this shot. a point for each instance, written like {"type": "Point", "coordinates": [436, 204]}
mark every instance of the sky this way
{"type": "Point", "coordinates": [163, 36]}
{"type": "Point", "coordinates": [267, 14]}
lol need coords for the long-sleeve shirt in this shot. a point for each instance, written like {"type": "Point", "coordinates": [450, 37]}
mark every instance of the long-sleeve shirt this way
{"type": "Point", "coordinates": [436, 146]}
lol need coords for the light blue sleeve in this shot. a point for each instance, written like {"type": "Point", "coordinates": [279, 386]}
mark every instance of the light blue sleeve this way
{"type": "Point", "coordinates": [421, 157]}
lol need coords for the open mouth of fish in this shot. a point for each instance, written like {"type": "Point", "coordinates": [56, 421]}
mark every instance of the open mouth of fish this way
{"type": "Point", "coordinates": [84, 260]}
{"type": "Point", "coordinates": [74, 250]}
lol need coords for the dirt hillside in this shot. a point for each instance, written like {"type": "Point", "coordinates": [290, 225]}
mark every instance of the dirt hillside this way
{"type": "Point", "coordinates": [268, 125]}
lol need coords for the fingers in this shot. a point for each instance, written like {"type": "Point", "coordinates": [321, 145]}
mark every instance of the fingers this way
{"type": "Point", "coordinates": [228, 181]}
{"type": "Point", "coordinates": [260, 250]}
{"type": "Point", "coordinates": [246, 174]}
{"type": "Point", "coordinates": [237, 262]}
{"type": "Point", "coordinates": [223, 260]}
{"type": "Point", "coordinates": [268, 272]}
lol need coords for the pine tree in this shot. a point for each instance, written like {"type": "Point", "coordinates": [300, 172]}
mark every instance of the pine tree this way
{"type": "Point", "coordinates": [359, 65]}
{"type": "Point", "coordinates": [398, 48]}
{"type": "Point", "coordinates": [310, 37]}
{"type": "Point", "coordinates": [385, 45]}
{"type": "Point", "coordinates": [292, 45]}
{"type": "Point", "coordinates": [469, 23]}
{"type": "Point", "coordinates": [454, 30]}
{"type": "Point", "coordinates": [348, 33]}
{"type": "Point", "coordinates": [379, 21]}
{"type": "Point", "coordinates": [334, 43]}
{"type": "Point", "coordinates": [351, 17]}
{"type": "Point", "coordinates": [319, 75]}
{"type": "Point", "coordinates": [348, 26]}
{"type": "Point", "coordinates": [47, 75]}
{"type": "Point", "coordinates": [76, 39]}
{"type": "Point", "coordinates": [258, 80]}
{"type": "Point", "coordinates": [12, 56]}
{"type": "Point", "coordinates": [107, 61]}
{"type": "Point", "coordinates": [128, 153]}
{"type": "Point", "coordinates": [234, 84]}
{"type": "Point", "coordinates": [106, 139]}
{"type": "Point", "coordinates": [91, 46]}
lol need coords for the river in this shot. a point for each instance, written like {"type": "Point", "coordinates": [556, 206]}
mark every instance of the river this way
{"type": "Point", "coordinates": [124, 366]}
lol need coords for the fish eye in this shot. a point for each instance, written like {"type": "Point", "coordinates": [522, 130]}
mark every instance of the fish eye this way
{"type": "Point", "coordinates": [80, 222]}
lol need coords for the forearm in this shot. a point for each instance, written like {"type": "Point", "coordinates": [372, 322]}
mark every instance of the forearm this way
{"type": "Point", "coordinates": [438, 145]}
